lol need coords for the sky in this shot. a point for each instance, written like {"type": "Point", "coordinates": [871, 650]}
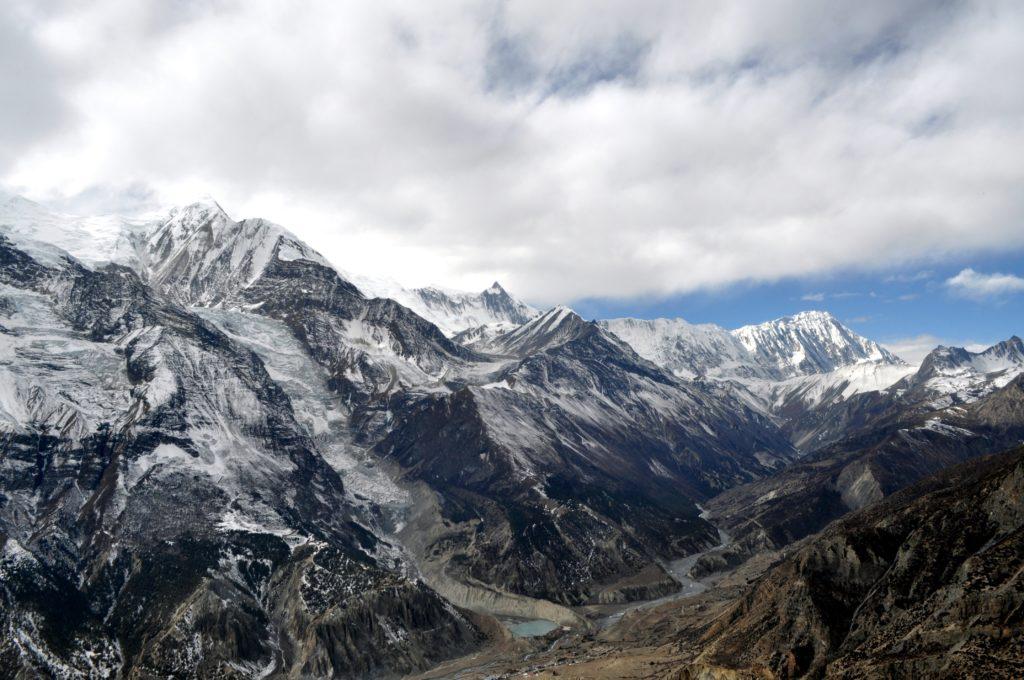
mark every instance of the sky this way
{"type": "Point", "coordinates": [725, 162]}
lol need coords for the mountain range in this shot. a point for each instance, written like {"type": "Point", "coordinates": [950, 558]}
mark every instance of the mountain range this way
{"type": "Point", "coordinates": [224, 456]}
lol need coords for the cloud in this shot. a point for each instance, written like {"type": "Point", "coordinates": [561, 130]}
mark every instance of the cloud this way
{"type": "Point", "coordinates": [32, 105]}
{"type": "Point", "coordinates": [813, 297]}
{"type": "Point", "coordinates": [909, 278]}
{"type": "Point", "coordinates": [971, 284]}
{"type": "Point", "coordinates": [914, 349]}
{"type": "Point", "coordinates": [572, 149]}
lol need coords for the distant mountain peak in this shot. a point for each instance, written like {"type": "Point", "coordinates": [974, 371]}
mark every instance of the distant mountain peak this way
{"type": "Point", "coordinates": [454, 312]}
{"type": "Point", "coordinates": [687, 350]}
{"type": "Point", "coordinates": [1000, 356]}
{"type": "Point", "coordinates": [199, 255]}
{"type": "Point", "coordinates": [556, 326]}
{"type": "Point", "coordinates": [813, 316]}
{"type": "Point", "coordinates": [810, 342]}
{"type": "Point", "coordinates": [186, 219]}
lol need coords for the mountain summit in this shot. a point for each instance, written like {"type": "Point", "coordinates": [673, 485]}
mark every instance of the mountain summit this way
{"type": "Point", "coordinates": [809, 342]}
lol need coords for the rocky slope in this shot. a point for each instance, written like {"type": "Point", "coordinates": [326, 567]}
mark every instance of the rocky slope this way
{"type": "Point", "coordinates": [925, 584]}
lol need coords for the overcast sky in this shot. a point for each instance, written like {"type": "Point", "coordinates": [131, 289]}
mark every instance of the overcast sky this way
{"type": "Point", "coordinates": [573, 150]}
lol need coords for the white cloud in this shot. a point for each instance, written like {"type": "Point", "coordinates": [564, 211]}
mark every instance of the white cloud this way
{"type": "Point", "coordinates": [909, 278]}
{"type": "Point", "coordinates": [569, 149]}
{"type": "Point", "coordinates": [914, 349]}
{"type": "Point", "coordinates": [972, 284]}
{"type": "Point", "coordinates": [813, 297]}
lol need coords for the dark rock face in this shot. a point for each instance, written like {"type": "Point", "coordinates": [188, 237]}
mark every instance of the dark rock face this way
{"type": "Point", "coordinates": [924, 584]}
{"type": "Point", "coordinates": [162, 513]}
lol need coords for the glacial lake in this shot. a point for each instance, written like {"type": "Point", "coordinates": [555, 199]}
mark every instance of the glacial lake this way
{"type": "Point", "coordinates": [534, 628]}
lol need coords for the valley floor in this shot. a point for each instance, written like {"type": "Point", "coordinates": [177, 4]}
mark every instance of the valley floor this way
{"type": "Point", "coordinates": [624, 641]}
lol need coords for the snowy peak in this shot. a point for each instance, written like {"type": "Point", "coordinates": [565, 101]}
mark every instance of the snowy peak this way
{"type": "Point", "coordinates": [807, 343]}
{"type": "Point", "coordinates": [196, 254]}
{"type": "Point", "coordinates": [199, 255]}
{"type": "Point", "coordinates": [554, 327]}
{"type": "Point", "coordinates": [951, 368]}
{"type": "Point", "coordinates": [481, 337]}
{"type": "Point", "coordinates": [687, 350]}
{"type": "Point", "coordinates": [1007, 353]}
{"type": "Point", "coordinates": [202, 214]}
{"type": "Point", "coordinates": [451, 311]}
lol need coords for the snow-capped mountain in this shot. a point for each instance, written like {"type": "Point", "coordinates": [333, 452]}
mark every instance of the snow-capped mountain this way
{"type": "Point", "coordinates": [479, 337]}
{"type": "Point", "coordinates": [689, 350]}
{"type": "Point", "coordinates": [954, 375]}
{"type": "Point", "coordinates": [790, 367]}
{"type": "Point", "coordinates": [554, 327]}
{"type": "Point", "coordinates": [451, 311]}
{"type": "Point", "coordinates": [808, 343]}
{"type": "Point", "coordinates": [155, 478]}
{"type": "Point", "coordinates": [211, 435]}
{"type": "Point", "coordinates": [199, 255]}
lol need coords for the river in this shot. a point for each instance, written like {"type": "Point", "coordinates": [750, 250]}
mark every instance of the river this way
{"type": "Point", "coordinates": [678, 570]}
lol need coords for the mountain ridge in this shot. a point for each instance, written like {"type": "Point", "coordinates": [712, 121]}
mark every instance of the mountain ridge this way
{"type": "Point", "coordinates": [424, 469]}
